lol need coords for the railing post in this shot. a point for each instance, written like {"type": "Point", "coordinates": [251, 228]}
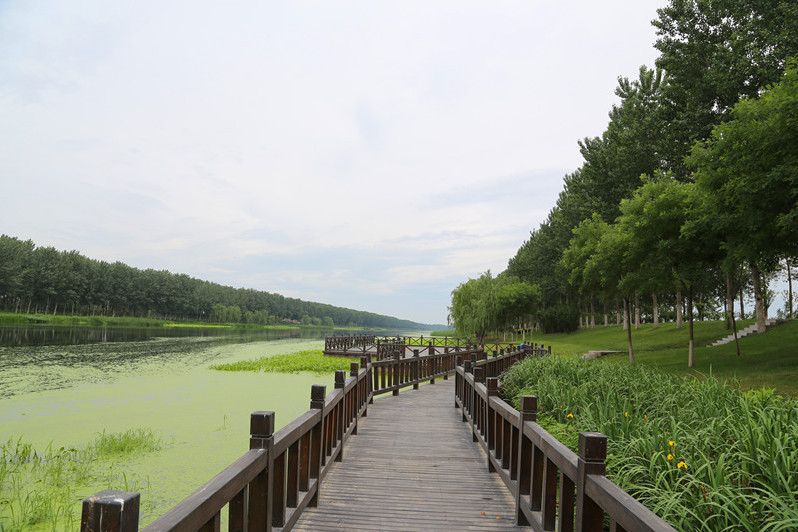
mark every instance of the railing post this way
{"type": "Point", "coordinates": [364, 364]}
{"type": "Point", "coordinates": [492, 421]}
{"type": "Point", "coordinates": [416, 373]}
{"type": "Point", "coordinates": [261, 430]}
{"type": "Point", "coordinates": [592, 454]}
{"type": "Point", "coordinates": [340, 382]}
{"type": "Point", "coordinates": [529, 412]}
{"type": "Point", "coordinates": [317, 394]}
{"type": "Point", "coordinates": [111, 511]}
{"type": "Point", "coordinates": [354, 403]}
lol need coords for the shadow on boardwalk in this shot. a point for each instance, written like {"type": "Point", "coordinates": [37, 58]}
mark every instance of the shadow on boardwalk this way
{"type": "Point", "coordinates": [412, 466]}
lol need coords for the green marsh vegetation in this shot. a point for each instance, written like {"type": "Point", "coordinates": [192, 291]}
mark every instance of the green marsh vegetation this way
{"type": "Point", "coordinates": [43, 489]}
{"type": "Point", "coordinates": [702, 454]}
{"type": "Point", "coordinates": [310, 361]}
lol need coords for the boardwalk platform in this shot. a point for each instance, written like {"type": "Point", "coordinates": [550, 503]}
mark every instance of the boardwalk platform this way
{"type": "Point", "coordinates": [412, 466]}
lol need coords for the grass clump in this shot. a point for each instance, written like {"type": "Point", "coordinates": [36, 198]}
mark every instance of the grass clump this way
{"type": "Point", "coordinates": [43, 489]}
{"type": "Point", "coordinates": [702, 454]}
{"type": "Point", "coordinates": [312, 361]}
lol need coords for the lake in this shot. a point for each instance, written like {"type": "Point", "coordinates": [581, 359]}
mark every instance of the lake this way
{"type": "Point", "coordinates": [67, 386]}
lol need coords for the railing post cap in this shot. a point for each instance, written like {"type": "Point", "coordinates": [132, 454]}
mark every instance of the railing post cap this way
{"type": "Point", "coordinates": [353, 368]}
{"type": "Point", "coordinates": [340, 378]}
{"type": "Point", "coordinates": [123, 514]}
{"type": "Point", "coordinates": [261, 424]}
{"type": "Point", "coordinates": [592, 446]}
{"type": "Point", "coordinates": [529, 403]}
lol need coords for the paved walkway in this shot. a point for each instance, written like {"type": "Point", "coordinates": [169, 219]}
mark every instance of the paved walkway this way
{"type": "Point", "coordinates": [412, 466]}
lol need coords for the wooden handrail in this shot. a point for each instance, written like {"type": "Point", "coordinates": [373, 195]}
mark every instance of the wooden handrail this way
{"type": "Point", "coordinates": [551, 484]}
{"type": "Point", "coordinates": [270, 485]}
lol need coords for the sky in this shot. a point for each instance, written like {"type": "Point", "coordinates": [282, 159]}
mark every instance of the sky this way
{"type": "Point", "coordinates": [370, 155]}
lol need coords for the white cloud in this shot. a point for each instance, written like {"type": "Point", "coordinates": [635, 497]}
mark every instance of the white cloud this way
{"type": "Point", "coordinates": [401, 146]}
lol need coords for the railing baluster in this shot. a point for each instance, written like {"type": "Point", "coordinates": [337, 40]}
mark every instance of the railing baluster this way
{"type": "Point", "coordinates": [237, 512]}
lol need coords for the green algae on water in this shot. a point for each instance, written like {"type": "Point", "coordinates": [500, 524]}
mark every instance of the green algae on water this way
{"type": "Point", "coordinates": [311, 361]}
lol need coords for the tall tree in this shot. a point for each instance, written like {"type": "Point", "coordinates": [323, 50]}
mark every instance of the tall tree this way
{"type": "Point", "coordinates": [749, 169]}
{"type": "Point", "coordinates": [716, 52]}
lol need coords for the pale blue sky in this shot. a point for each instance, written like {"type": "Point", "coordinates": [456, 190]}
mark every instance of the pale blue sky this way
{"type": "Point", "coordinates": [371, 155]}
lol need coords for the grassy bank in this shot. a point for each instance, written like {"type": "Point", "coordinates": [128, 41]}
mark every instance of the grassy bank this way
{"type": "Point", "coordinates": [767, 360]}
{"type": "Point", "coordinates": [312, 361]}
{"type": "Point", "coordinates": [701, 454]}
{"type": "Point", "coordinates": [42, 489]}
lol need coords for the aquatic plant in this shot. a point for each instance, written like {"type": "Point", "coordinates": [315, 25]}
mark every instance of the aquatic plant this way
{"type": "Point", "coordinates": [312, 361]}
{"type": "Point", "coordinates": [40, 488]}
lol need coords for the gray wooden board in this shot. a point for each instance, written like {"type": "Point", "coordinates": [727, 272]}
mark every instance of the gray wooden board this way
{"type": "Point", "coordinates": [412, 466]}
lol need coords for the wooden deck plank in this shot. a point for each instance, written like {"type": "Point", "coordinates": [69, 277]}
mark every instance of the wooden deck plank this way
{"type": "Point", "coordinates": [412, 466]}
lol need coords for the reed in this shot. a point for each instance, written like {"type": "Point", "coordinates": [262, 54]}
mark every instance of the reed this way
{"type": "Point", "coordinates": [39, 489]}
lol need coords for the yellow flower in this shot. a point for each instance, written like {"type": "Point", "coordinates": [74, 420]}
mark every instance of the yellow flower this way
{"type": "Point", "coordinates": [670, 457]}
{"type": "Point", "coordinates": [681, 465]}
{"type": "Point", "coordinates": [671, 443]}
{"type": "Point", "coordinates": [570, 415]}
{"type": "Point", "coordinates": [626, 414]}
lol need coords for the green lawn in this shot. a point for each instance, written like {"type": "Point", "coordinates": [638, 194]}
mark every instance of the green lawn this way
{"type": "Point", "coordinates": [767, 360]}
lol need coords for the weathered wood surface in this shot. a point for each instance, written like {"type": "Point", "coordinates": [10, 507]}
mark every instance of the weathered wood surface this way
{"type": "Point", "coordinates": [412, 466]}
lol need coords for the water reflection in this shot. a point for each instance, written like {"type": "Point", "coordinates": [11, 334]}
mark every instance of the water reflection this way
{"type": "Point", "coordinates": [26, 335]}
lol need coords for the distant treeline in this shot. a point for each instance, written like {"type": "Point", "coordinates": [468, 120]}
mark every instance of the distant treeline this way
{"type": "Point", "coordinates": [35, 279]}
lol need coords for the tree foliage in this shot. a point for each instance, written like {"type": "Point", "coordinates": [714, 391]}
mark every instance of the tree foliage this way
{"type": "Point", "coordinates": [43, 279]}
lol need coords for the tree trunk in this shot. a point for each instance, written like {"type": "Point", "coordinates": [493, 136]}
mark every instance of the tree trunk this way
{"type": "Point", "coordinates": [729, 301]}
{"type": "Point", "coordinates": [759, 303]}
{"type": "Point", "coordinates": [592, 314]}
{"type": "Point", "coordinates": [679, 308]}
{"type": "Point", "coordinates": [656, 310]}
{"type": "Point", "coordinates": [734, 328]}
{"type": "Point", "coordinates": [617, 315]}
{"type": "Point", "coordinates": [606, 318]}
{"type": "Point", "coordinates": [691, 345]}
{"type": "Point", "coordinates": [789, 285]}
{"type": "Point", "coordinates": [627, 319]}
{"type": "Point", "coordinates": [637, 310]}
{"type": "Point", "coordinates": [742, 306]}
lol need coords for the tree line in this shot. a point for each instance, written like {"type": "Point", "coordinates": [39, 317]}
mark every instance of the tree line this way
{"type": "Point", "coordinates": [36, 279]}
{"type": "Point", "coordinates": [688, 198]}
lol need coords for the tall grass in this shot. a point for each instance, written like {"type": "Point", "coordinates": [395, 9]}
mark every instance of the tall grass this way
{"type": "Point", "coordinates": [702, 454]}
{"type": "Point", "coordinates": [312, 361]}
{"type": "Point", "coordinates": [43, 489]}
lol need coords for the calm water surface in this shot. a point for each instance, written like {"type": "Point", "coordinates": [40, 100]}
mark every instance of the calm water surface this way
{"type": "Point", "coordinates": [66, 386]}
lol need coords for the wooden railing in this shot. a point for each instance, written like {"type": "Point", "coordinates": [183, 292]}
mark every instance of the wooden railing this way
{"type": "Point", "coordinates": [342, 343]}
{"type": "Point", "coordinates": [552, 486]}
{"type": "Point", "coordinates": [270, 485]}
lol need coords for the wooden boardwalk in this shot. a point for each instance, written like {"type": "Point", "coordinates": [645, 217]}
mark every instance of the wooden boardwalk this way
{"type": "Point", "coordinates": [412, 466]}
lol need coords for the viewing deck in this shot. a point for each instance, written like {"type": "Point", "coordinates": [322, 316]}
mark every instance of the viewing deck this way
{"type": "Point", "coordinates": [412, 466]}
